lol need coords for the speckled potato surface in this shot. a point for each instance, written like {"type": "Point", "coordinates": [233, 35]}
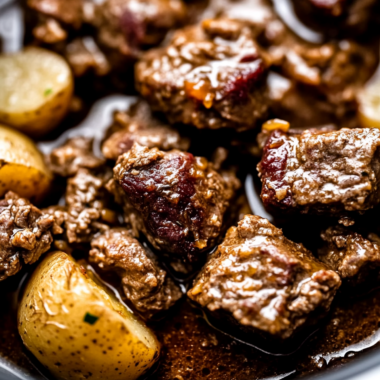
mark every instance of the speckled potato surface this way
{"type": "Point", "coordinates": [78, 330]}
{"type": "Point", "coordinates": [36, 89]}
{"type": "Point", "coordinates": [22, 168]}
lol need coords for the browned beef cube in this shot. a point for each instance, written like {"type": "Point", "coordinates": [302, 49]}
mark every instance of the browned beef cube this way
{"type": "Point", "coordinates": [328, 173]}
{"type": "Point", "coordinates": [177, 200]}
{"type": "Point", "coordinates": [76, 153]}
{"type": "Point", "coordinates": [139, 125]}
{"type": "Point", "coordinates": [354, 257]}
{"type": "Point", "coordinates": [210, 76]}
{"type": "Point", "coordinates": [144, 282]}
{"type": "Point", "coordinates": [264, 281]}
{"type": "Point", "coordinates": [26, 233]}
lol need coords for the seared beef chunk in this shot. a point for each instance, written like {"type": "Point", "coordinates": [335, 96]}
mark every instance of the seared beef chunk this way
{"type": "Point", "coordinates": [264, 281]}
{"type": "Point", "coordinates": [128, 25]}
{"type": "Point", "coordinates": [76, 153]}
{"type": "Point", "coordinates": [26, 233]}
{"type": "Point", "coordinates": [144, 283]}
{"type": "Point", "coordinates": [88, 209]}
{"type": "Point", "coordinates": [350, 254]}
{"type": "Point", "coordinates": [139, 125]}
{"type": "Point", "coordinates": [338, 16]}
{"type": "Point", "coordinates": [109, 34]}
{"type": "Point", "coordinates": [211, 76]}
{"type": "Point", "coordinates": [327, 173]}
{"type": "Point", "coordinates": [178, 201]}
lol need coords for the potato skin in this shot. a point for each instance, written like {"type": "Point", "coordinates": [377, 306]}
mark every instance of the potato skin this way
{"type": "Point", "coordinates": [22, 168]}
{"type": "Point", "coordinates": [43, 113]}
{"type": "Point", "coordinates": [51, 321]}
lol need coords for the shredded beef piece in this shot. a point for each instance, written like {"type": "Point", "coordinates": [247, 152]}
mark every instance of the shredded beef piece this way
{"type": "Point", "coordinates": [88, 209]}
{"type": "Point", "coordinates": [84, 56]}
{"type": "Point", "coordinates": [139, 125]}
{"type": "Point", "coordinates": [264, 281]}
{"type": "Point", "coordinates": [25, 234]}
{"type": "Point", "coordinates": [211, 76]}
{"type": "Point", "coordinates": [178, 200]}
{"type": "Point", "coordinates": [350, 254]}
{"type": "Point", "coordinates": [76, 153]}
{"type": "Point", "coordinates": [144, 283]}
{"type": "Point", "coordinates": [329, 173]}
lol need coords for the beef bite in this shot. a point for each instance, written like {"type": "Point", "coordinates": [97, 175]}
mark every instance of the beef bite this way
{"type": "Point", "coordinates": [211, 75]}
{"type": "Point", "coordinates": [328, 173]}
{"type": "Point", "coordinates": [146, 285]}
{"type": "Point", "coordinates": [68, 158]}
{"type": "Point", "coordinates": [26, 234]}
{"type": "Point", "coordinates": [177, 200]}
{"type": "Point", "coordinates": [356, 258]}
{"type": "Point", "coordinates": [265, 282]}
{"type": "Point", "coordinates": [139, 125]}
{"type": "Point", "coordinates": [100, 37]}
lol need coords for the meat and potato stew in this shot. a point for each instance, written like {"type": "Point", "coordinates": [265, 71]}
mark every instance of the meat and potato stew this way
{"type": "Point", "coordinates": [189, 189]}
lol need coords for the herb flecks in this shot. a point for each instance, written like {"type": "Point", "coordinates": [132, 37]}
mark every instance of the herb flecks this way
{"type": "Point", "coordinates": [90, 318]}
{"type": "Point", "coordinates": [48, 91]}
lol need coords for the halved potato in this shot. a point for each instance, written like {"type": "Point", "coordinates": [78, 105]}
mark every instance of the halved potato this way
{"type": "Point", "coordinates": [36, 88]}
{"type": "Point", "coordinates": [78, 330]}
{"type": "Point", "coordinates": [369, 104]}
{"type": "Point", "coordinates": [22, 168]}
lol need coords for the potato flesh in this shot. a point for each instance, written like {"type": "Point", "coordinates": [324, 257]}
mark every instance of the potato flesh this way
{"type": "Point", "coordinates": [36, 88]}
{"type": "Point", "coordinates": [22, 168]}
{"type": "Point", "coordinates": [51, 322]}
{"type": "Point", "coordinates": [369, 104]}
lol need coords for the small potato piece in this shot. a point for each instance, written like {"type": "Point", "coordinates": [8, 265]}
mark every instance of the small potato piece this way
{"type": "Point", "coordinates": [22, 168]}
{"type": "Point", "coordinates": [36, 88]}
{"type": "Point", "coordinates": [78, 330]}
{"type": "Point", "coordinates": [369, 104]}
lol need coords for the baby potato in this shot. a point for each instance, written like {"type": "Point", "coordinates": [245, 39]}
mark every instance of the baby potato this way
{"type": "Point", "coordinates": [36, 88]}
{"type": "Point", "coordinates": [77, 329]}
{"type": "Point", "coordinates": [22, 168]}
{"type": "Point", "coordinates": [369, 104]}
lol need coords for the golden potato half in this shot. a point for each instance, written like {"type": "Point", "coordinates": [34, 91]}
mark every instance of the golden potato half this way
{"type": "Point", "coordinates": [369, 103]}
{"type": "Point", "coordinates": [36, 88]}
{"type": "Point", "coordinates": [78, 330]}
{"type": "Point", "coordinates": [22, 168]}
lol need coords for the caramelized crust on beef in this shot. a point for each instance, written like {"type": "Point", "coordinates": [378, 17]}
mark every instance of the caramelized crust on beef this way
{"type": "Point", "coordinates": [350, 254]}
{"type": "Point", "coordinates": [328, 173]}
{"type": "Point", "coordinates": [144, 283]}
{"type": "Point", "coordinates": [26, 233]}
{"type": "Point", "coordinates": [88, 209]}
{"type": "Point", "coordinates": [139, 125]}
{"type": "Point", "coordinates": [264, 281]}
{"type": "Point", "coordinates": [178, 200]}
{"type": "Point", "coordinates": [76, 153]}
{"type": "Point", "coordinates": [210, 76]}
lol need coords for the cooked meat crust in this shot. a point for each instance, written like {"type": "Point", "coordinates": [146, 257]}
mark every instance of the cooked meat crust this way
{"type": "Point", "coordinates": [144, 283]}
{"type": "Point", "coordinates": [177, 200]}
{"type": "Point", "coordinates": [265, 281]}
{"type": "Point", "coordinates": [350, 254]}
{"type": "Point", "coordinates": [76, 153]}
{"type": "Point", "coordinates": [210, 76]}
{"type": "Point", "coordinates": [26, 233]}
{"type": "Point", "coordinates": [139, 125]}
{"type": "Point", "coordinates": [327, 173]}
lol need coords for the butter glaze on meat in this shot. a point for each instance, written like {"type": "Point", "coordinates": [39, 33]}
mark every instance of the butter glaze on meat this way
{"type": "Point", "coordinates": [264, 281]}
{"type": "Point", "coordinates": [144, 282]}
{"type": "Point", "coordinates": [211, 75]}
{"type": "Point", "coordinates": [327, 173]}
{"type": "Point", "coordinates": [177, 200]}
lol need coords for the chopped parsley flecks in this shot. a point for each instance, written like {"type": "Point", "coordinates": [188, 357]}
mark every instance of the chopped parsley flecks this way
{"type": "Point", "coordinates": [90, 319]}
{"type": "Point", "coordinates": [48, 91]}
